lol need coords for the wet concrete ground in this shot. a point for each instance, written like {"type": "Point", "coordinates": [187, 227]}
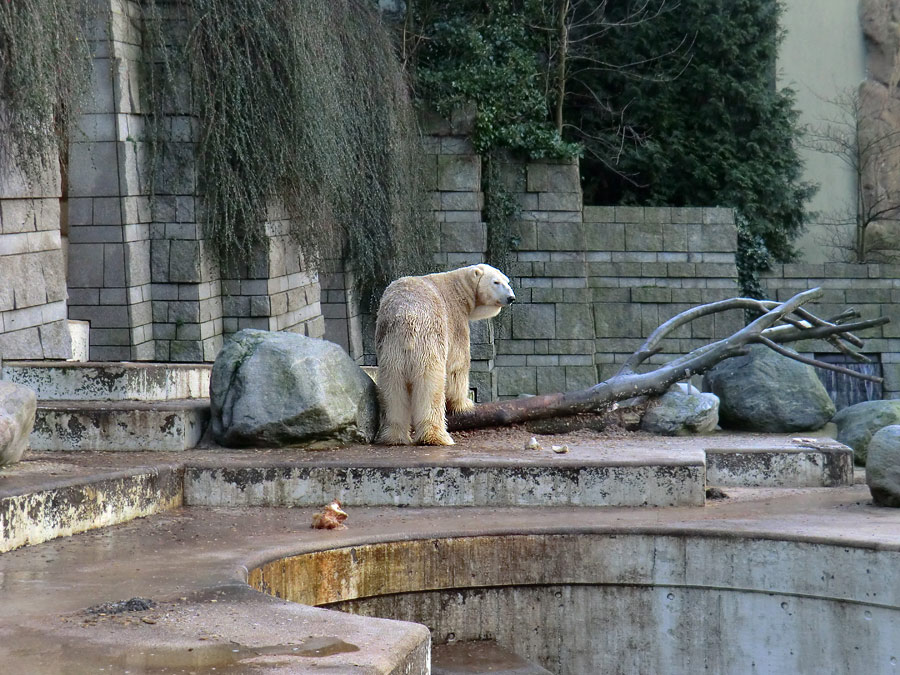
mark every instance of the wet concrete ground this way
{"type": "Point", "coordinates": [193, 563]}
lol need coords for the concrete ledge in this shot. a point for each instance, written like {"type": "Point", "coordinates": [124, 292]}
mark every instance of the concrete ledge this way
{"type": "Point", "coordinates": [828, 465]}
{"type": "Point", "coordinates": [674, 483]}
{"type": "Point", "coordinates": [578, 603]}
{"type": "Point", "coordinates": [65, 508]}
{"type": "Point", "coordinates": [126, 426]}
{"type": "Point", "coordinates": [92, 381]}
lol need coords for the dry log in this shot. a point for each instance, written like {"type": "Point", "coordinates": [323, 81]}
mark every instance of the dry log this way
{"type": "Point", "coordinates": [777, 323]}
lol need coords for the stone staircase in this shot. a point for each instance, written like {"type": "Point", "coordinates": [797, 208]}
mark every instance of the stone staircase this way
{"type": "Point", "coordinates": [115, 406]}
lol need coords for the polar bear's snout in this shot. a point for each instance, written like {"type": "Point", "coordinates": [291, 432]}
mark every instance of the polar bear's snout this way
{"type": "Point", "coordinates": [502, 292]}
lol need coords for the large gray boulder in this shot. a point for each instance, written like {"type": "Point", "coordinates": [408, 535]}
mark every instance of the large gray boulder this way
{"type": "Point", "coordinates": [271, 389]}
{"type": "Point", "coordinates": [858, 423]}
{"type": "Point", "coordinates": [681, 411]}
{"type": "Point", "coordinates": [765, 391]}
{"type": "Point", "coordinates": [883, 466]}
{"type": "Point", "coordinates": [17, 407]}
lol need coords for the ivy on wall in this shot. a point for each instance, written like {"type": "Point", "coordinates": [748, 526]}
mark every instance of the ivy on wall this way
{"type": "Point", "coordinates": [487, 56]}
{"type": "Point", "coordinates": [675, 103]}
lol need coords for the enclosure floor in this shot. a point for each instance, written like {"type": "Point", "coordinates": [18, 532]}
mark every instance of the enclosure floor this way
{"type": "Point", "coordinates": [43, 470]}
{"type": "Point", "coordinates": [193, 561]}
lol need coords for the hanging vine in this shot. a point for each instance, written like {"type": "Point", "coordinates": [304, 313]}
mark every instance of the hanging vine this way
{"type": "Point", "coordinates": [303, 104]}
{"type": "Point", "coordinates": [44, 72]}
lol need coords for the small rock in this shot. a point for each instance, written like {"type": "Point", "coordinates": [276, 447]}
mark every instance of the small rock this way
{"type": "Point", "coordinates": [132, 605]}
{"type": "Point", "coordinates": [560, 449]}
{"type": "Point", "coordinates": [681, 411]}
{"type": "Point", "coordinates": [533, 444]}
{"type": "Point", "coordinates": [715, 493]}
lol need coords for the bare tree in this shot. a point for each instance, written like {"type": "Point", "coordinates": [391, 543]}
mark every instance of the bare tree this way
{"type": "Point", "coordinates": [861, 134]}
{"type": "Point", "coordinates": [574, 31]}
{"type": "Point", "coordinates": [778, 323]}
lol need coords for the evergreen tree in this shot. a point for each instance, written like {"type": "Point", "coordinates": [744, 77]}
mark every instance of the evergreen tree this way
{"type": "Point", "coordinates": [714, 131]}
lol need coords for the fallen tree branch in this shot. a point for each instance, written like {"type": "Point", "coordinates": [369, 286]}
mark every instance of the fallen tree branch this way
{"type": "Point", "coordinates": [778, 323]}
{"type": "Point", "coordinates": [815, 362]}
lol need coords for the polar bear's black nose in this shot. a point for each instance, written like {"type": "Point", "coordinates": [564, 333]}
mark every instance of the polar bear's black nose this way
{"type": "Point", "coordinates": [511, 299]}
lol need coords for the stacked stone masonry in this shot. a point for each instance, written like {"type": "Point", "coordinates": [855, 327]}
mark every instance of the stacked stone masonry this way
{"type": "Point", "coordinates": [592, 289]}
{"type": "Point", "coordinates": [140, 270]}
{"type": "Point", "coordinates": [109, 219]}
{"type": "Point", "coordinates": [33, 309]}
{"type": "Point", "coordinates": [871, 289]}
{"type": "Point", "coordinates": [592, 281]}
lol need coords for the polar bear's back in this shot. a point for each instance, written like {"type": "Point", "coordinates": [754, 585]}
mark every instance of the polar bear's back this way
{"type": "Point", "coordinates": [412, 327]}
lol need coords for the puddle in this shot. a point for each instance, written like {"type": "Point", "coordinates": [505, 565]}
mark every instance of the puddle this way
{"type": "Point", "coordinates": [77, 658]}
{"type": "Point", "coordinates": [231, 653]}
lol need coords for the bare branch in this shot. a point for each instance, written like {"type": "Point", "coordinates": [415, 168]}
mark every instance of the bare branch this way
{"type": "Point", "coordinates": [627, 383]}
{"type": "Point", "coordinates": [815, 362]}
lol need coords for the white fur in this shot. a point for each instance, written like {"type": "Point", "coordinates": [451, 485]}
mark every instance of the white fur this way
{"type": "Point", "coordinates": [422, 346]}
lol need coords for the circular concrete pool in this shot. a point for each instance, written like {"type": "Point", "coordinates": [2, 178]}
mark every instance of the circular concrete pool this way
{"type": "Point", "coordinates": [623, 602]}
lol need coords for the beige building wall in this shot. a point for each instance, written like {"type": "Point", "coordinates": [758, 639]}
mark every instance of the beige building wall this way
{"type": "Point", "coordinates": [823, 54]}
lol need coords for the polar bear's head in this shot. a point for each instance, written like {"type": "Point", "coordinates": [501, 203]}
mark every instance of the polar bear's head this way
{"type": "Point", "coordinates": [492, 292]}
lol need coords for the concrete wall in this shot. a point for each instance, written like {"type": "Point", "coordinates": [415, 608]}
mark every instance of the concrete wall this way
{"type": "Point", "coordinates": [822, 57]}
{"type": "Point", "coordinates": [625, 603]}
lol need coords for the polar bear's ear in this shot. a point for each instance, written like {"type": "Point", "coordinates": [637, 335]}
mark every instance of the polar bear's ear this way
{"type": "Point", "coordinates": [477, 271]}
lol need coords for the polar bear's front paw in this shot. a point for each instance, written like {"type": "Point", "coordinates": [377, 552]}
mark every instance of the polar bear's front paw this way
{"type": "Point", "coordinates": [436, 437]}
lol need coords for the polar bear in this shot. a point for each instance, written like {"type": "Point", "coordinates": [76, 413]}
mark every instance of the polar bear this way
{"type": "Point", "coordinates": [422, 346]}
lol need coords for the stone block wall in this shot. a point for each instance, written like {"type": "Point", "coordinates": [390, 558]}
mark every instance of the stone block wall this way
{"type": "Point", "coordinates": [454, 174]}
{"type": "Point", "coordinates": [453, 177]}
{"type": "Point", "coordinates": [872, 289]}
{"type": "Point", "coordinates": [275, 291]}
{"type": "Point", "coordinates": [453, 171]}
{"type": "Point", "coordinates": [592, 289]}
{"type": "Point", "coordinates": [32, 279]}
{"type": "Point", "coordinates": [345, 322]}
{"type": "Point", "coordinates": [186, 291]}
{"type": "Point", "coordinates": [141, 271]}
{"type": "Point", "coordinates": [109, 217]}
{"type": "Point", "coordinates": [592, 282]}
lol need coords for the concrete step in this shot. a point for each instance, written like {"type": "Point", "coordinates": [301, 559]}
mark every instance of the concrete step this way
{"type": "Point", "coordinates": [96, 381]}
{"type": "Point", "coordinates": [804, 462]}
{"type": "Point", "coordinates": [42, 499]}
{"type": "Point", "coordinates": [420, 477]}
{"type": "Point", "coordinates": [119, 425]}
